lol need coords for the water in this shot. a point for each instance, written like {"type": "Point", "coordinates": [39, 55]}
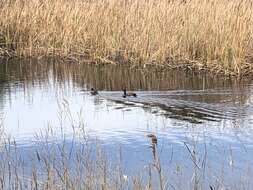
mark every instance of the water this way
{"type": "Point", "coordinates": [212, 116]}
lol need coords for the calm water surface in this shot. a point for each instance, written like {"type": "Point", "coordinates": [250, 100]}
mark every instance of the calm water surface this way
{"type": "Point", "coordinates": [211, 115]}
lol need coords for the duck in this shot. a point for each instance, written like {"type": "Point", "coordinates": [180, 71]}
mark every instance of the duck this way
{"type": "Point", "coordinates": [128, 94]}
{"type": "Point", "coordinates": [93, 92]}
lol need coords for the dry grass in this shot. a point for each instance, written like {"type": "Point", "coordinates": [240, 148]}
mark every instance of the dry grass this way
{"type": "Point", "coordinates": [54, 161]}
{"type": "Point", "coordinates": [209, 34]}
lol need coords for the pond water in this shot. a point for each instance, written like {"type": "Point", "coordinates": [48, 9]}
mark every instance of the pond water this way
{"type": "Point", "coordinates": [188, 112]}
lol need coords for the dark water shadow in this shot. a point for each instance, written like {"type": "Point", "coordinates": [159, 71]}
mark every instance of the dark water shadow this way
{"type": "Point", "coordinates": [179, 95]}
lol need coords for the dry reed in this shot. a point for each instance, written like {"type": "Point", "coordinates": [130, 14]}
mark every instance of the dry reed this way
{"type": "Point", "coordinates": [55, 161]}
{"type": "Point", "coordinates": [209, 34]}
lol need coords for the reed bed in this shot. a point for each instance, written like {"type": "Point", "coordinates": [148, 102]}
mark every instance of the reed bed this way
{"type": "Point", "coordinates": [58, 163]}
{"type": "Point", "coordinates": [57, 159]}
{"type": "Point", "coordinates": [205, 34]}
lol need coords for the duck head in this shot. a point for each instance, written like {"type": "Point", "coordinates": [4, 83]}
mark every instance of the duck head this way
{"type": "Point", "coordinates": [124, 91]}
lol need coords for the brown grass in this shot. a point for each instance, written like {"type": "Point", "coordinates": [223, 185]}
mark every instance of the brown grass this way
{"type": "Point", "coordinates": [205, 34]}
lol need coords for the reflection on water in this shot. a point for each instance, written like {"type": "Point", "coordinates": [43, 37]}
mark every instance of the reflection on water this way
{"type": "Point", "coordinates": [200, 110]}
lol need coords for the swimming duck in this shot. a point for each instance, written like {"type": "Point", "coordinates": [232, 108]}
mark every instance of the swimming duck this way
{"type": "Point", "coordinates": [93, 92]}
{"type": "Point", "coordinates": [128, 94]}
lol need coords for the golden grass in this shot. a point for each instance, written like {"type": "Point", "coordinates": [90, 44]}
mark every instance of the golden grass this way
{"type": "Point", "coordinates": [209, 34]}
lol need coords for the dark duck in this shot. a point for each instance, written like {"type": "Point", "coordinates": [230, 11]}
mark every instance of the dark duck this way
{"type": "Point", "coordinates": [128, 94]}
{"type": "Point", "coordinates": [93, 92]}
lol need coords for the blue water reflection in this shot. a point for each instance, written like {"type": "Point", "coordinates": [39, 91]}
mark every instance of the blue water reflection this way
{"type": "Point", "coordinates": [215, 123]}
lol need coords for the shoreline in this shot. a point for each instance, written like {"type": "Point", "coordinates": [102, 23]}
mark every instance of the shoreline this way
{"type": "Point", "coordinates": [184, 66]}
